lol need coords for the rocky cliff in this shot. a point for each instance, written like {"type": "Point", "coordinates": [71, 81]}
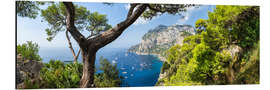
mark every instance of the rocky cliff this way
{"type": "Point", "coordinates": [161, 38]}
{"type": "Point", "coordinates": [26, 69]}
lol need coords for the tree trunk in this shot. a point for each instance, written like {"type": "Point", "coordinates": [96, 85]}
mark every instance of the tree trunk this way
{"type": "Point", "coordinates": [87, 79]}
{"type": "Point", "coordinates": [75, 57]}
{"type": "Point", "coordinates": [90, 46]}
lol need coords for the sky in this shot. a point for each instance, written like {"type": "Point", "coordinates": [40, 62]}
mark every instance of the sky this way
{"type": "Point", "coordinates": [34, 29]}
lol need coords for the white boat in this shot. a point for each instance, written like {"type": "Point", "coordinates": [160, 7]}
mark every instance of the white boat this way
{"type": "Point", "coordinates": [124, 72]}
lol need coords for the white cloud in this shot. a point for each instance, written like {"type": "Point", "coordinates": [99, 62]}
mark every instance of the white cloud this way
{"type": "Point", "coordinates": [184, 18]}
{"type": "Point", "coordinates": [185, 15]}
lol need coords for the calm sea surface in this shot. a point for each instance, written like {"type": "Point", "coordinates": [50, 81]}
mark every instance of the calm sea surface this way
{"type": "Point", "coordinates": [137, 70]}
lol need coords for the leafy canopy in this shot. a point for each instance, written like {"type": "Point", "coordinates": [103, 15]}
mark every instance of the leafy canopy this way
{"type": "Point", "coordinates": [28, 8]}
{"type": "Point", "coordinates": [55, 16]}
{"type": "Point", "coordinates": [98, 22]}
{"type": "Point", "coordinates": [159, 9]}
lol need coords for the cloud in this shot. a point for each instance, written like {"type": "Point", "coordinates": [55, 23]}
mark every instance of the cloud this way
{"type": "Point", "coordinates": [185, 15]}
{"type": "Point", "coordinates": [184, 18]}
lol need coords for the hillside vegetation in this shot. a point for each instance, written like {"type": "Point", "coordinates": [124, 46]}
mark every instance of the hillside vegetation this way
{"type": "Point", "coordinates": [225, 50]}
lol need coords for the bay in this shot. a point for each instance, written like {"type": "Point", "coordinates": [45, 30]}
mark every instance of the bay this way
{"type": "Point", "coordinates": [136, 70]}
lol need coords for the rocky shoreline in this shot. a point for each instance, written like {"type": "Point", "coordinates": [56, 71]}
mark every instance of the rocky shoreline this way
{"type": "Point", "coordinates": [163, 59]}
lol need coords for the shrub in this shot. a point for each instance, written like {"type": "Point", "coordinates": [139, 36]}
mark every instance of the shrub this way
{"type": "Point", "coordinates": [110, 75]}
{"type": "Point", "coordinates": [56, 74]}
{"type": "Point", "coordinates": [29, 51]}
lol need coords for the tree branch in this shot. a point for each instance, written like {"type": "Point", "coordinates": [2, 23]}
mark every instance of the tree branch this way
{"type": "Point", "coordinates": [91, 35]}
{"type": "Point", "coordinates": [131, 9]}
{"type": "Point", "coordinates": [70, 24]}
{"type": "Point", "coordinates": [71, 48]}
{"type": "Point", "coordinates": [78, 54]}
{"type": "Point", "coordinates": [154, 9]}
{"type": "Point", "coordinates": [110, 35]}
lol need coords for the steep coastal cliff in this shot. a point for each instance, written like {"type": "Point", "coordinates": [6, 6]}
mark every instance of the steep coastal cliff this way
{"type": "Point", "coordinates": [161, 38]}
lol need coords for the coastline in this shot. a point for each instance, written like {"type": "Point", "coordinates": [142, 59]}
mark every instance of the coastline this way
{"type": "Point", "coordinates": [163, 59]}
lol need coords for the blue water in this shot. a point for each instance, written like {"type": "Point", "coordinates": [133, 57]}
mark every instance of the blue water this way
{"type": "Point", "coordinates": [137, 70]}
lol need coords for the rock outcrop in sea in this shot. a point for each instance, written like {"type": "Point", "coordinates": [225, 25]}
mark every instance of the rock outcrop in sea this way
{"type": "Point", "coordinates": [161, 38]}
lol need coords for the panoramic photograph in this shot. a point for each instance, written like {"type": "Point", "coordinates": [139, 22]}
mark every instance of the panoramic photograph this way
{"type": "Point", "coordinates": [104, 45]}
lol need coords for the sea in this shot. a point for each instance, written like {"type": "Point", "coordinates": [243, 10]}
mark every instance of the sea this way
{"type": "Point", "coordinates": [136, 70]}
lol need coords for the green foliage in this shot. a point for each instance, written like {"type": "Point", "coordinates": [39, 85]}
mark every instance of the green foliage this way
{"type": "Point", "coordinates": [29, 51]}
{"type": "Point", "coordinates": [200, 25]}
{"type": "Point", "coordinates": [246, 31]}
{"type": "Point", "coordinates": [110, 75]}
{"type": "Point", "coordinates": [182, 75]}
{"type": "Point", "coordinates": [55, 16]}
{"type": "Point", "coordinates": [250, 67]}
{"type": "Point", "coordinates": [204, 58]}
{"type": "Point", "coordinates": [214, 38]}
{"type": "Point", "coordinates": [238, 24]}
{"type": "Point", "coordinates": [159, 9]}
{"type": "Point", "coordinates": [173, 54]}
{"type": "Point", "coordinates": [56, 74]}
{"type": "Point", "coordinates": [28, 84]}
{"type": "Point", "coordinates": [165, 66]}
{"type": "Point", "coordinates": [98, 22]}
{"type": "Point", "coordinates": [212, 56]}
{"type": "Point", "coordinates": [28, 8]}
